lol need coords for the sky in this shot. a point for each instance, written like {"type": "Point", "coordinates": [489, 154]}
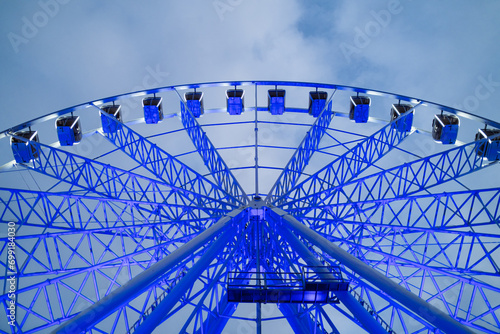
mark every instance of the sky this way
{"type": "Point", "coordinates": [59, 53]}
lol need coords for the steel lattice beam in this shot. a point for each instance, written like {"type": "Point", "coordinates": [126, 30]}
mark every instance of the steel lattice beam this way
{"type": "Point", "coordinates": [425, 310]}
{"type": "Point", "coordinates": [444, 211]}
{"type": "Point", "coordinates": [74, 212]}
{"type": "Point", "coordinates": [215, 164]}
{"type": "Point", "coordinates": [113, 182]}
{"type": "Point", "coordinates": [348, 165]}
{"type": "Point", "coordinates": [163, 165]}
{"type": "Point", "coordinates": [399, 181]}
{"type": "Point", "coordinates": [166, 305]}
{"type": "Point", "coordinates": [139, 283]}
{"type": "Point", "coordinates": [295, 166]}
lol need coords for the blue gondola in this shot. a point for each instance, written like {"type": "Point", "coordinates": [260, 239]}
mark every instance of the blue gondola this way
{"type": "Point", "coordinates": [276, 101]}
{"type": "Point", "coordinates": [194, 102]}
{"type": "Point", "coordinates": [153, 110]}
{"type": "Point", "coordinates": [445, 128]}
{"type": "Point", "coordinates": [360, 109]}
{"type": "Point", "coordinates": [69, 130]}
{"type": "Point", "coordinates": [397, 110]}
{"type": "Point", "coordinates": [21, 148]}
{"type": "Point", "coordinates": [317, 102]}
{"type": "Point", "coordinates": [491, 148]}
{"type": "Point", "coordinates": [108, 125]}
{"type": "Point", "coordinates": [235, 101]}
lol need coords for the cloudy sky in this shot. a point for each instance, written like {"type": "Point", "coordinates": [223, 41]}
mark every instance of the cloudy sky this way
{"type": "Point", "coordinates": [58, 53]}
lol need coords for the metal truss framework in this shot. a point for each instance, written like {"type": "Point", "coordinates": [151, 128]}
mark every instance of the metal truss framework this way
{"type": "Point", "coordinates": [107, 250]}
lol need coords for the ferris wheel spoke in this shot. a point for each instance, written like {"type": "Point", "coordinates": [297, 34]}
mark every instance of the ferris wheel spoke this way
{"type": "Point", "coordinates": [112, 182]}
{"type": "Point", "coordinates": [139, 283]}
{"type": "Point", "coordinates": [408, 299]}
{"type": "Point", "coordinates": [163, 165]}
{"type": "Point", "coordinates": [399, 181]}
{"type": "Point", "coordinates": [69, 212]}
{"type": "Point", "coordinates": [393, 313]}
{"type": "Point", "coordinates": [299, 160]}
{"type": "Point", "coordinates": [185, 285]}
{"type": "Point", "coordinates": [72, 287]}
{"type": "Point", "coordinates": [76, 250]}
{"type": "Point", "coordinates": [444, 211]}
{"type": "Point", "coordinates": [412, 254]}
{"type": "Point", "coordinates": [105, 274]}
{"type": "Point", "coordinates": [350, 164]}
{"type": "Point", "coordinates": [218, 298]}
{"type": "Point", "coordinates": [450, 291]}
{"type": "Point", "coordinates": [451, 294]}
{"type": "Point", "coordinates": [211, 157]}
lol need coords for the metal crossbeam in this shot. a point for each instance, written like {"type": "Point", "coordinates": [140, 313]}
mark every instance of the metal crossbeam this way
{"type": "Point", "coordinates": [399, 181]}
{"type": "Point", "coordinates": [295, 166]}
{"type": "Point", "coordinates": [449, 239]}
{"type": "Point", "coordinates": [71, 212]}
{"type": "Point", "coordinates": [86, 285]}
{"type": "Point", "coordinates": [366, 319]}
{"type": "Point", "coordinates": [113, 182]}
{"type": "Point", "coordinates": [105, 306]}
{"type": "Point", "coordinates": [163, 165]}
{"type": "Point", "coordinates": [456, 209]}
{"type": "Point", "coordinates": [166, 305]}
{"type": "Point", "coordinates": [432, 314]}
{"type": "Point", "coordinates": [350, 164]}
{"type": "Point", "coordinates": [215, 164]}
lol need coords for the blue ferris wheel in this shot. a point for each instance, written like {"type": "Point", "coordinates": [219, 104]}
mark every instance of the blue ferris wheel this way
{"type": "Point", "coordinates": [251, 207]}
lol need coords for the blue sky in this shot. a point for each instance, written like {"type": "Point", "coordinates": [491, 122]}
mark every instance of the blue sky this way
{"type": "Point", "coordinates": [58, 53]}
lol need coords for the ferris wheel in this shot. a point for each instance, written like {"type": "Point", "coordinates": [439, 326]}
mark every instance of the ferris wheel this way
{"type": "Point", "coordinates": [251, 207]}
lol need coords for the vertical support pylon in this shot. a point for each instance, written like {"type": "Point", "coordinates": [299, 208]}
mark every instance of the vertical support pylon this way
{"type": "Point", "coordinates": [107, 305]}
{"type": "Point", "coordinates": [158, 314]}
{"type": "Point", "coordinates": [417, 305]}
{"type": "Point", "coordinates": [365, 318]}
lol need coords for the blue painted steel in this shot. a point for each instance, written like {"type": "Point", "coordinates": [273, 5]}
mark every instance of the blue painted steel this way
{"type": "Point", "coordinates": [153, 110]}
{"type": "Point", "coordinates": [107, 305]}
{"type": "Point", "coordinates": [211, 157]}
{"type": "Point", "coordinates": [71, 213]}
{"type": "Point", "coordinates": [425, 310]}
{"type": "Point", "coordinates": [366, 319]}
{"type": "Point", "coordinates": [165, 166]}
{"type": "Point", "coordinates": [112, 182]}
{"type": "Point", "coordinates": [166, 305]}
{"type": "Point", "coordinates": [398, 181]}
{"type": "Point", "coordinates": [294, 168]}
{"type": "Point", "coordinates": [457, 209]}
{"type": "Point", "coordinates": [345, 167]}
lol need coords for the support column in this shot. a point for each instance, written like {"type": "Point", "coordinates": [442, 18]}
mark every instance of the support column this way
{"type": "Point", "coordinates": [156, 317]}
{"type": "Point", "coordinates": [366, 319]}
{"type": "Point", "coordinates": [107, 305]}
{"type": "Point", "coordinates": [419, 306]}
